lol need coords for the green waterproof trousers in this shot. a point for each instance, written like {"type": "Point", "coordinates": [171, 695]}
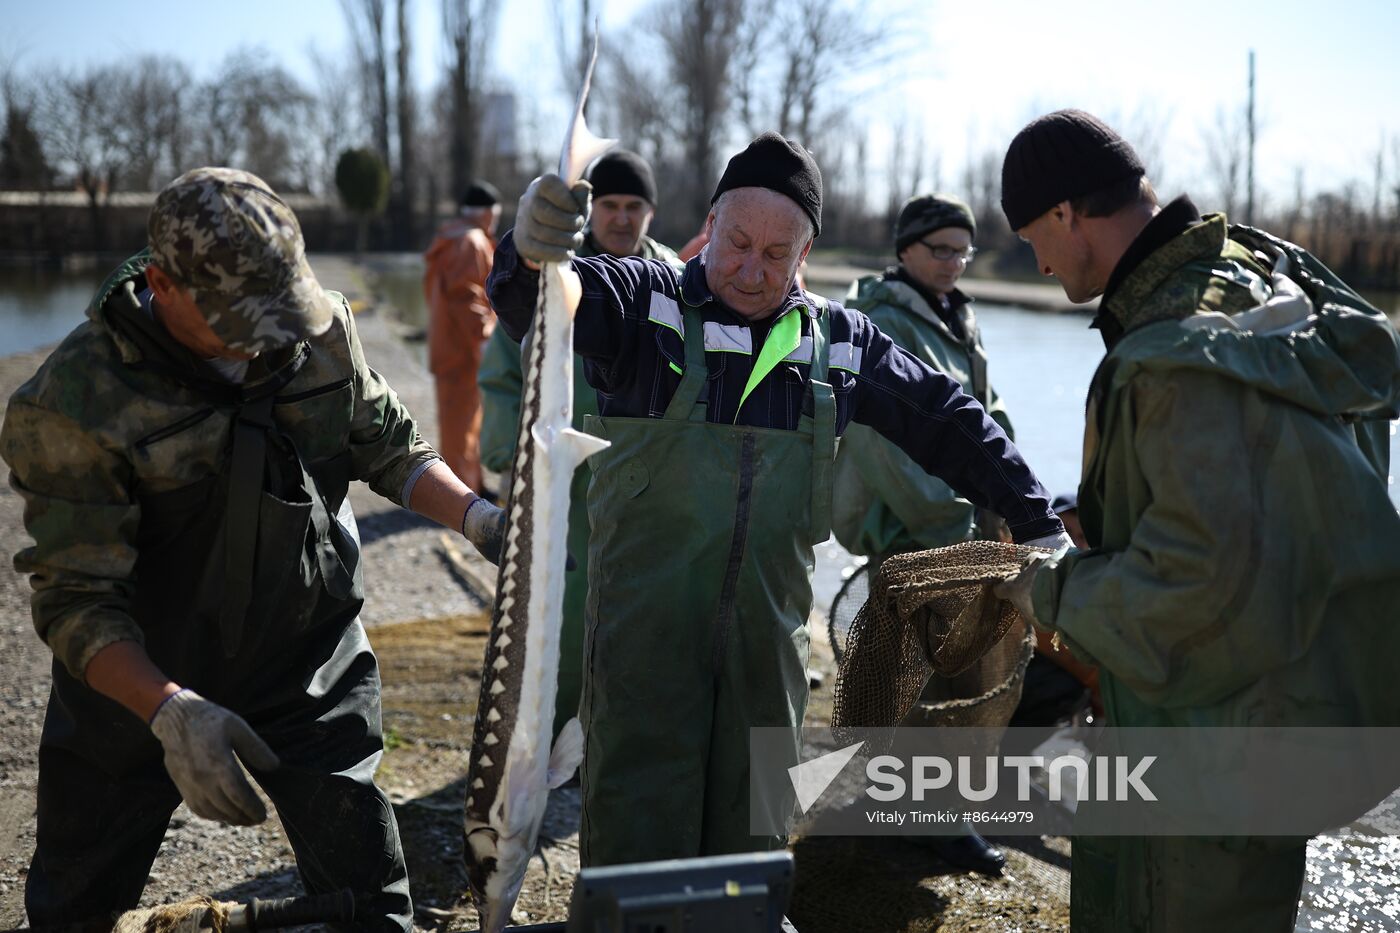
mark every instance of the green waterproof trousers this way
{"type": "Point", "coordinates": [700, 585]}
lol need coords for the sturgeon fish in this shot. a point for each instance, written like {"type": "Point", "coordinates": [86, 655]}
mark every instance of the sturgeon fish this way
{"type": "Point", "coordinates": [512, 767]}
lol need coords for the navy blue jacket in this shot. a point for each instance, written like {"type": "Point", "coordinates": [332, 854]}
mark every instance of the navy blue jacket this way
{"type": "Point", "coordinates": [633, 352]}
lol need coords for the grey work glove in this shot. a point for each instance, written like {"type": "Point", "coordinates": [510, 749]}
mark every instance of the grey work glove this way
{"type": "Point", "coordinates": [203, 744]}
{"type": "Point", "coordinates": [549, 222]}
{"type": "Point", "coordinates": [484, 525]}
{"type": "Point", "coordinates": [1018, 587]}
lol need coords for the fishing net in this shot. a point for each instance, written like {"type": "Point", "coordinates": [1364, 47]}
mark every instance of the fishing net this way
{"type": "Point", "coordinates": [846, 606]}
{"type": "Point", "coordinates": [192, 916]}
{"type": "Point", "coordinates": [933, 645]}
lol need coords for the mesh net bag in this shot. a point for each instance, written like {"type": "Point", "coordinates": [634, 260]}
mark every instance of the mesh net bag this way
{"type": "Point", "coordinates": [933, 645]}
{"type": "Point", "coordinates": [196, 915]}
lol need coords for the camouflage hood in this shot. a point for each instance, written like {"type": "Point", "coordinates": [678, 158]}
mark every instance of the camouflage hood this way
{"type": "Point", "coordinates": [1258, 310]}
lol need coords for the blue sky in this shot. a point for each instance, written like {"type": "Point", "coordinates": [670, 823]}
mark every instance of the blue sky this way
{"type": "Point", "coordinates": [1328, 74]}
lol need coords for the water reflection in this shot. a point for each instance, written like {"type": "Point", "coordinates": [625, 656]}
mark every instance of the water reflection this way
{"type": "Point", "coordinates": [39, 307]}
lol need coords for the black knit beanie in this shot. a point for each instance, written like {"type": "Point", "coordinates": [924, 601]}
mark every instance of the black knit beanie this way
{"type": "Point", "coordinates": [622, 172]}
{"type": "Point", "coordinates": [925, 213]}
{"type": "Point", "coordinates": [780, 165]}
{"type": "Point", "coordinates": [480, 194]}
{"type": "Point", "coordinates": [1059, 157]}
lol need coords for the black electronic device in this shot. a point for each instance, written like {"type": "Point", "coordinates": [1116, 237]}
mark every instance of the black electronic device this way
{"type": "Point", "coordinates": [731, 893]}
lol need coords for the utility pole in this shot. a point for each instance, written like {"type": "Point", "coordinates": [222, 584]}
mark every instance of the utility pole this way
{"type": "Point", "coordinates": [1249, 186]}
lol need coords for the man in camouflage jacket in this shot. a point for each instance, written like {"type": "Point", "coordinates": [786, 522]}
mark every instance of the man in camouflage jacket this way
{"type": "Point", "coordinates": [184, 458]}
{"type": "Point", "coordinates": [1243, 565]}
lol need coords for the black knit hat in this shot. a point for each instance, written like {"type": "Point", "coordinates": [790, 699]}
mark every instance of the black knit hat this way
{"type": "Point", "coordinates": [622, 172]}
{"type": "Point", "coordinates": [780, 165]}
{"type": "Point", "coordinates": [480, 194]}
{"type": "Point", "coordinates": [1059, 157]}
{"type": "Point", "coordinates": [925, 213]}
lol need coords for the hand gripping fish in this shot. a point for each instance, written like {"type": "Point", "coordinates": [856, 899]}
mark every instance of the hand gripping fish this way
{"type": "Point", "coordinates": [512, 766]}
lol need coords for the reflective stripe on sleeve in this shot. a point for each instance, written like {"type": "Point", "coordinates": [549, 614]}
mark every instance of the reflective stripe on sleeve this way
{"type": "Point", "coordinates": [666, 312]}
{"type": "Point", "coordinates": [846, 356]}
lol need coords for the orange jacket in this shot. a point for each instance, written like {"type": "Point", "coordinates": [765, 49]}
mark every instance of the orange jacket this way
{"type": "Point", "coordinates": [454, 284]}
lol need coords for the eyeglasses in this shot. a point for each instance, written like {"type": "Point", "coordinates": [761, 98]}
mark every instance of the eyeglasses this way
{"type": "Point", "coordinates": [944, 253]}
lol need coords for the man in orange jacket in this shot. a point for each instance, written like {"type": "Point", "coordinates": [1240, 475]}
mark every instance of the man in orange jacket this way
{"type": "Point", "coordinates": [459, 323]}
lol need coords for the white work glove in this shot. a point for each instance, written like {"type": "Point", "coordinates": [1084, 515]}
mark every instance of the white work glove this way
{"type": "Point", "coordinates": [550, 219]}
{"type": "Point", "coordinates": [484, 525]}
{"type": "Point", "coordinates": [203, 744]}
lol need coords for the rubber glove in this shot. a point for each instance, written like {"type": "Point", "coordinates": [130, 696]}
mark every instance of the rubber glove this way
{"type": "Point", "coordinates": [484, 525]}
{"type": "Point", "coordinates": [550, 219]}
{"type": "Point", "coordinates": [203, 744]}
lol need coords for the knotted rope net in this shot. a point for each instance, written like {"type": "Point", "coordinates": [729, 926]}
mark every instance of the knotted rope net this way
{"type": "Point", "coordinates": [933, 641]}
{"type": "Point", "coordinates": [196, 915]}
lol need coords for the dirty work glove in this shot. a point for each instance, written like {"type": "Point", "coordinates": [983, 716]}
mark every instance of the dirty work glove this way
{"type": "Point", "coordinates": [1017, 588]}
{"type": "Point", "coordinates": [1051, 542]}
{"type": "Point", "coordinates": [484, 526]}
{"type": "Point", "coordinates": [549, 222]}
{"type": "Point", "coordinates": [203, 744]}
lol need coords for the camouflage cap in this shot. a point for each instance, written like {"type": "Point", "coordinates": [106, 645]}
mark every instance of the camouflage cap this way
{"type": "Point", "coordinates": [236, 247]}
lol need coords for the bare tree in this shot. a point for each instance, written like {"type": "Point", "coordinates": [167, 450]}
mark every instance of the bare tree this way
{"type": "Point", "coordinates": [368, 22]}
{"type": "Point", "coordinates": [406, 182]}
{"type": "Point", "coordinates": [638, 108]}
{"type": "Point", "coordinates": [1378, 186]}
{"type": "Point", "coordinates": [332, 126]}
{"type": "Point", "coordinates": [820, 43]}
{"type": "Point", "coordinates": [574, 39]}
{"type": "Point", "coordinates": [79, 122]}
{"type": "Point", "coordinates": [152, 97]}
{"type": "Point", "coordinates": [469, 27]}
{"type": "Point", "coordinates": [982, 188]}
{"type": "Point", "coordinates": [1146, 127]}
{"type": "Point", "coordinates": [255, 116]}
{"type": "Point", "coordinates": [23, 161]}
{"type": "Point", "coordinates": [906, 165]}
{"type": "Point", "coordinates": [1226, 145]}
{"type": "Point", "coordinates": [697, 38]}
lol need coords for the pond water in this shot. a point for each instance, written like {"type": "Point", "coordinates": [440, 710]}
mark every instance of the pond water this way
{"type": "Point", "coordinates": [39, 307]}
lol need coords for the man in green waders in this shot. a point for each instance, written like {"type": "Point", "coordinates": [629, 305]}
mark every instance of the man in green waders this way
{"type": "Point", "coordinates": [184, 458]}
{"type": "Point", "coordinates": [884, 502]}
{"type": "Point", "coordinates": [723, 390]}
{"type": "Point", "coordinates": [624, 202]}
{"type": "Point", "coordinates": [1243, 565]}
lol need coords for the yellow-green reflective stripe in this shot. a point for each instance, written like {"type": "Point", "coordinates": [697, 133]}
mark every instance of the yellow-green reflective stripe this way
{"type": "Point", "coordinates": [678, 370]}
{"type": "Point", "coordinates": [785, 337]}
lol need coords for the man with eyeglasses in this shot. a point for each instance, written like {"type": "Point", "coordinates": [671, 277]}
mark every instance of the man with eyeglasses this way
{"type": "Point", "coordinates": [884, 502]}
